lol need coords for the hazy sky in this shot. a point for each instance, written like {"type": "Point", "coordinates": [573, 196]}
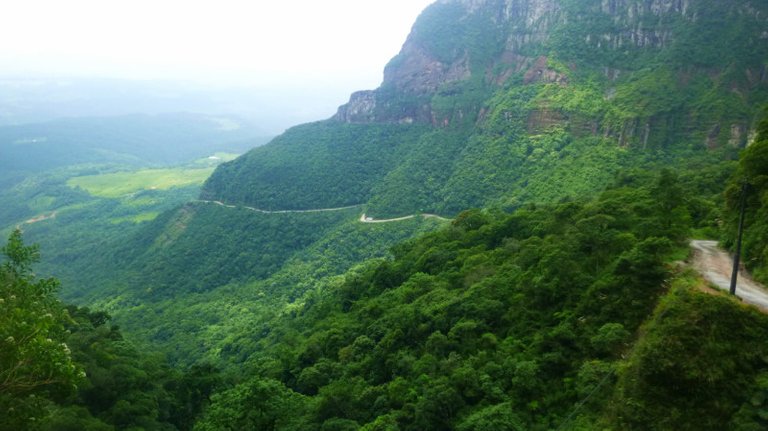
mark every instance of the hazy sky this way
{"type": "Point", "coordinates": [337, 45]}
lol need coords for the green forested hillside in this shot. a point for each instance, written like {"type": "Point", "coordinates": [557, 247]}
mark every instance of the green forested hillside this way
{"type": "Point", "coordinates": [510, 322]}
{"type": "Point", "coordinates": [206, 307]}
{"type": "Point", "coordinates": [527, 101]}
{"type": "Point", "coordinates": [319, 165]}
{"type": "Point", "coordinates": [568, 316]}
{"type": "Point", "coordinates": [752, 170]}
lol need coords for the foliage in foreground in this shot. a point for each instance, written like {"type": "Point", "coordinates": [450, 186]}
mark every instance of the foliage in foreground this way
{"type": "Point", "coordinates": [64, 368]}
{"type": "Point", "coordinates": [700, 365]}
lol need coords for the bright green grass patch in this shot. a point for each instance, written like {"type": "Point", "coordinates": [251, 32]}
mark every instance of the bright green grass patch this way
{"type": "Point", "coordinates": [137, 218]}
{"type": "Point", "coordinates": [123, 183]}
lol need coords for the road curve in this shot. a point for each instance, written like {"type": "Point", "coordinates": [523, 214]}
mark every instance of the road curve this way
{"type": "Point", "coordinates": [715, 265]}
{"type": "Point", "coordinates": [363, 218]}
{"type": "Point", "coordinates": [366, 219]}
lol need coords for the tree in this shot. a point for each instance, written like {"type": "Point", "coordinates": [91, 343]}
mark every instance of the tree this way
{"type": "Point", "coordinates": [33, 357]}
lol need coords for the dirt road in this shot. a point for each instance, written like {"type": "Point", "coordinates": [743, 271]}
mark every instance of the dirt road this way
{"type": "Point", "coordinates": [37, 219]}
{"type": "Point", "coordinates": [716, 265]}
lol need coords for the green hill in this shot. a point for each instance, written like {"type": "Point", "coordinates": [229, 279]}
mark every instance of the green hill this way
{"type": "Point", "coordinates": [501, 103]}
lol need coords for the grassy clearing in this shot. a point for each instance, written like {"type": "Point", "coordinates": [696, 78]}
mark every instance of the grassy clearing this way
{"type": "Point", "coordinates": [119, 184]}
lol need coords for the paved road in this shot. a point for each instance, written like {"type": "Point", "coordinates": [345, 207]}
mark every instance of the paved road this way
{"type": "Point", "coordinates": [365, 219]}
{"type": "Point", "coordinates": [716, 265]}
{"type": "Point", "coordinates": [320, 210]}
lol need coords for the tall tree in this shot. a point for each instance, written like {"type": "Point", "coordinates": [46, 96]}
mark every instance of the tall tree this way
{"type": "Point", "coordinates": [33, 357]}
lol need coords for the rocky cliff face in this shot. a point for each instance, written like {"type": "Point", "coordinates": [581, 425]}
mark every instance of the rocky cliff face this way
{"type": "Point", "coordinates": [482, 46]}
{"type": "Point", "coordinates": [517, 101]}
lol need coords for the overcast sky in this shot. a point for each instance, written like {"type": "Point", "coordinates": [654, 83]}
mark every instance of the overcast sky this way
{"type": "Point", "coordinates": [338, 45]}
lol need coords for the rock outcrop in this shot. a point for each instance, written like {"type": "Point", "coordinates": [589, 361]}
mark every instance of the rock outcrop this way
{"type": "Point", "coordinates": [514, 39]}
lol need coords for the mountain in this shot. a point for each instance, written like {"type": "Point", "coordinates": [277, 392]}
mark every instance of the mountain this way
{"type": "Point", "coordinates": [495, 104]}
{"type": "Point", "coordinates": [505, 102]}
{"type": "Point", "coordinates": [593, 138]}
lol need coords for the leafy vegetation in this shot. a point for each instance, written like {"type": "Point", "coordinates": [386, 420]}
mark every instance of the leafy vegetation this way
{"type": "Point", "coordinates": [217, 323]}
{"type": "Point", "coordinates": [301, 169]}
{"type": "Point", "coordinates": [34, 358]}
{"type": "Point", "coordinates": [506, 322]}
{"type": "Point", "coordinates": [694, 368]}
{"type": "Point", "coordinates": [752, 171]}
{"type": "Point", "coordinates": [65, 368]}
{"type": "Point", "coordinates": [498, 321]}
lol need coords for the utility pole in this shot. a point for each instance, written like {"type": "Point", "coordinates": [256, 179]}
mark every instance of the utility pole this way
{"type": "Point", "coordinates": [737, 254]}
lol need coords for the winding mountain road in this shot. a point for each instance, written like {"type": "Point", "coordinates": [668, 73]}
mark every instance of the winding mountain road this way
{"type": "Point", "coordinates": [363, 218]}
{"type": "Point", "coordinates": [38, 219]}
{"type": "Point", "coordinates": [715, 265]}
{"type": "Point", "coordinates": [321, 210]}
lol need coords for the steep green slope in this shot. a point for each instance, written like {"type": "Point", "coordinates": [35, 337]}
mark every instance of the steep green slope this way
{"type": "Point", "coordinates": [753, 170]}
{"type": "Point", "coordinates": [514, 322]}
{"type": "Point", "coordinates": [80, 237]}
{"type": "Point", "coordinates": [522, 101]}
{"type": "Point", "coordinates": [700, 365]}
{"type": "Point", "coordinates": [319, 165]}
{"type": "Point", "coordinates": [492, 103]}
{"type": "Point", "coordinates": [214, 308]}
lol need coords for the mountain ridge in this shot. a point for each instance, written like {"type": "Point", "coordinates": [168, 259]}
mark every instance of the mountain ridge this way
{"type": "Point", "coordinates": [501, 86]}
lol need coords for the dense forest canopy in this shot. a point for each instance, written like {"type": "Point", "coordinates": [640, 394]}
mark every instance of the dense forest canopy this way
{"type": "Point", "coordinates": [498, 321]}
{"type": "Point", "coordinates": [751, 178]}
